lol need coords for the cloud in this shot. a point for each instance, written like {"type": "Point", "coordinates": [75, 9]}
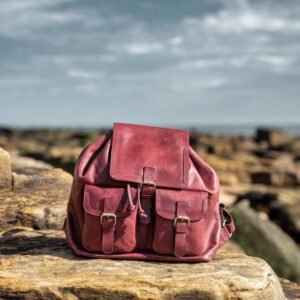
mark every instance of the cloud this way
{"type": "Point", "coordinates": [277, 63]}
{"type": "Point", "coordinates": [84, 74]}
{"type": "Point", "coordinates": [200, 84]}
{"type": "Point", "coordinates": [203, 63]}
{"type": "Point", "coordinates": [234, 53]}
{"type": "Point", "coordinates": [240, 16]}
{"type": "Point", "coordinates": [248, 20]}
{"type": "Point", "coordinates": [144, 48]}
{"type": "Point", "coordinates": [28, 19]}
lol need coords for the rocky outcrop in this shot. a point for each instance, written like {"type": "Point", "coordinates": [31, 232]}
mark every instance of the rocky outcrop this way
{"type": "Point", "coordinates": [34, 196]}
{"type": "Point", "coordinates": [260, 237]}
{"type": "Point", "coordinates": [60, 148]}
{"type": "Point", "coordinates": [282, 208]}
{"type": "Point", "coordinates": [291, 289]}
{"type": "Point", "coordinates": [276, 178]}
{"type": "Point", "coordinates": [39, 265]}
{"type": "Point", "coordinates": [5, 171]}
{"type": "Point", "coordinates": [275, 138]}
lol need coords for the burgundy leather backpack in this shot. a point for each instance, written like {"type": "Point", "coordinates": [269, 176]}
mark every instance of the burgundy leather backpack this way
{"type": "Point", "coordinates": [142, 192]}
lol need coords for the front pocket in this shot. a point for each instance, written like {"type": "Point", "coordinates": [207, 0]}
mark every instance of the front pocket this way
{"type": "Point", "coordinates": [110, 220]}
{"type": "Point", "coordinates": [178, 215]}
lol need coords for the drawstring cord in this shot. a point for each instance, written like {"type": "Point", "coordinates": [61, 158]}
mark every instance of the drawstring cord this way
{"type": "Point", "coordinates": [131, 208]}
{"type": "Point", "coordinates": [141, 212]}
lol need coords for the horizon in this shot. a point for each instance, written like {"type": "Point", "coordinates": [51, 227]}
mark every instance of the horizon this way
{"type": "Point", "coordinates": [216, 129]}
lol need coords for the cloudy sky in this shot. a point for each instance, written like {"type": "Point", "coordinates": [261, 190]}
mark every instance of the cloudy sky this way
{"type": "Point", "coordinates": [90, 63]}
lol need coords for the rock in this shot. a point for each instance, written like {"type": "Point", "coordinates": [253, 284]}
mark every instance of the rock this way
{"type": "Point", "coordinates": [286, 216]}
{"type": "Point", "coordinates": [258, 198]}
{"type": "Point", "coordinates": [238, 168]}
{"type": "Point", "coordinates": [39, 265]}
{"type": "Point", "coordinates": [288, 219]}
{"type": "Point", "coordinates": [226, 197]}
{"type": "Point", "coordinates": [5, 171]}
{"type": "Point", "coordinates": [38, 199]}
{"type": "Point", "coordinates": [232, 247]}
{"type": "Point", "coordinates": [275, 138]}
{"type": "Point", "coordinates": [227, 178]}
{"type": "Point", "coordinates": [275, 178]}
{"type": "Point", "coordinates": [264, 239]}
{"type": "Point", "coordinates": [291, 289]}
{"type": "Point", "coordinates": [43, 217]}
{"type": "Point", "coordinates": [28, 162]}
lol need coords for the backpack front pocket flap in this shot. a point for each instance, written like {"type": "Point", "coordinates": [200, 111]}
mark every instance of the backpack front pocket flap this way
{"type": "Point", "coordinates": [94, 197]}
{"type": "Point", "coordinates": [166, 203]}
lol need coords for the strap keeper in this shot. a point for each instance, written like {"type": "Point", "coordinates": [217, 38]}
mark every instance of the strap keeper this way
{"type": "Point", "coordinates": [146, 194]}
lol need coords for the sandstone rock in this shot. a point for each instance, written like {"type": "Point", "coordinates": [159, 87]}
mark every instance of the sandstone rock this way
{"type": "Point", "coordinates": [281, 204]}
{"type": "Point", "coordinates": [285, 215]}
{"type": "Point", "coordinates": [38, 264]}
{"type": "Point", "coordinates": [38, 199]}
{"type": "Point", "coordinates": [290, 220]}
{"type": "Point", "coordinates": [265, 239]}
{"type": "Point", "coordinates": [43, 217]}
{"type": "Point", "coordinates": [238, 168]}
{"type": "Point", "coordinates": [5, 171]}
{"type": "Point", "coordinates": [275, 178]}
{"type": "Point", "coordinates": [226, 197]}
{"type": "Point", "coordinates": [275, 138]}
{"type": "Point", "coordinates": [232, 247]}
{"type": "Point", "coordinates": [227, 178]}
{"type": "Point", "coordinates": [291, 289]}
{"type": "Point", "coordinates": [28, 162]}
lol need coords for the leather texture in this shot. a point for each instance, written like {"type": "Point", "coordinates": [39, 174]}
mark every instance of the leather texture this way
{"type": "Point", "coordinates": [141, 192]}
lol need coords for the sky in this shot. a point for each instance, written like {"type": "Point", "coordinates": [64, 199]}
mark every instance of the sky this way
{"type": "Point", "coordinates": [91, 63]}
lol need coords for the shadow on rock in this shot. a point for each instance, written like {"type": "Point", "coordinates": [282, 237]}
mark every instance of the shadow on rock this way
{"type": "Point", "coordinates": [25, 241]}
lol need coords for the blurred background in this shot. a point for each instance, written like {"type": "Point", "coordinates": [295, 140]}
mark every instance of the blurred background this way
{"type": "Point", "coordinates": [227, 70]}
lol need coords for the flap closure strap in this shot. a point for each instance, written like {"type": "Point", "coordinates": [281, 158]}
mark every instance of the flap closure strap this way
{"type": "Point", "coordinates": [147, 190]}
{"type": "Point", "coordinates": [181, 224]}
{"type": "Point", "coordinates": [108, 221]}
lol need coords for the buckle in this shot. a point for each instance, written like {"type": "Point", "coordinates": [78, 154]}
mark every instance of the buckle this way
{"type": "Point", "coordinates": [182, 219]}
{"type": "Point", "coordinates": [108, 215]}
{"type": "Point", "coordinates": [149, 183]}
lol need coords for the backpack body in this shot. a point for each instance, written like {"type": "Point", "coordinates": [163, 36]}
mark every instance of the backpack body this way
{"type": "Point", "coordinates": [141, 192]}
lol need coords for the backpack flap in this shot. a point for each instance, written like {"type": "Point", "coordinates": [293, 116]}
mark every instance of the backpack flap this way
{"type": "Point", "coordinates": [136, 149]}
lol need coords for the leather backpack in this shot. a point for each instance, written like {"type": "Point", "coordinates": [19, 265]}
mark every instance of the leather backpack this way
{"type": "Point", "coordinates": [141, 192]}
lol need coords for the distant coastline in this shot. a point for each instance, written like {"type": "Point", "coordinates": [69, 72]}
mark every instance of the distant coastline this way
{"type": "Point", "coordinates": [218, 129]}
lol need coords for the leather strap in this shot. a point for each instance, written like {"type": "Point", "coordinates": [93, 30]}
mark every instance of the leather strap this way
{"type": "Point", "coordinates": [180, 228]}
{"type": "Point", "coordinates": [108, 226]}
{"type": "Point", "coordinates": [147, 193]}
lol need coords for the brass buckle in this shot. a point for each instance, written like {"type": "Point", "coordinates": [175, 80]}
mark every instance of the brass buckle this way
{"type": "Point", "coordinates": [148, 182]}
{"type": "Point", "coordinates": [182, 219]}
{"type": "Point", "coordinates": [108, 215]}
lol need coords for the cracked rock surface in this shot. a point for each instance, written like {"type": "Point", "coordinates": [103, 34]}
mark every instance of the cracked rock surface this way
{"type": "Point", "coordinates": [36, 264]}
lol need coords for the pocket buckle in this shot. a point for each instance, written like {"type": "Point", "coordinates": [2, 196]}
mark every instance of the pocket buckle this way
{"type": "Point", "coordinates": [182, 219]}
{"type": "Point", "coordinates": [108, 215]}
